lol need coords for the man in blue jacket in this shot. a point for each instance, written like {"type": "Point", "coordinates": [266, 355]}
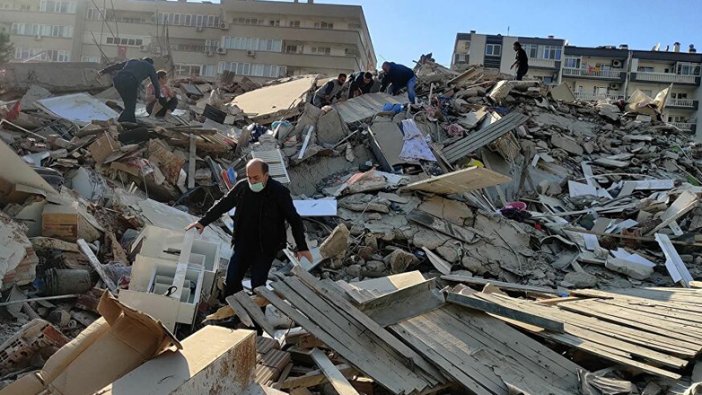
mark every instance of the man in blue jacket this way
{"type": "Point", "coordinates": [398, 77]}
{"type": "Point", "coordinates": [129, 76]}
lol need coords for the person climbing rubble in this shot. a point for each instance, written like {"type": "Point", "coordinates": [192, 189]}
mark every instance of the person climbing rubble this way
{"type": "Point", "coordinates": [521, 61]}
{"type": "Point", "coordinates": [129, 76]}
{"type": "Point", "coordinates": [263, 205]}
{"type": "Point", "coordinates": [329, 91]}
{"type": "Point", "coordinates": [397, 77]}
{"type": "Point", "coordinates": [166, 92]}
{"type": "Point", "coordinates": [360, 83]}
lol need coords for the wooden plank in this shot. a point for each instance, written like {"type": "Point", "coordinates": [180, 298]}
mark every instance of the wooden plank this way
{"type": "Point", "coordinates": [315, 378]}
{"type": "Point", "coordinates": [239, 310]}
{"type": "Point", "coordinates": [192, 158]}
{"type": "Point", "coordinates": [405, 303]}
{"type": "Point", "coordinates": [460, 181]}
{"type": "Point", "coordinates": [441, 265]}
{"type": "Point", "coordinates": [598, 350]}
{"type": "Point", "coordinates": [495, 334]}
{"type": "Point", "coordinates": [372, 361]}
{"type": "Point", "coordinates": [95, 263]}
{"type": "Point", "coordinates": [409, 335]}
{"type": "Point", "coordinates": [364, 291]}
{"type": "Point", "coordinates": [441, 226]}
{"type": "Point", "coordinates": [335, 377]}
{"type": "Point", "coordinates": [664, 312]}
{"type": "Point", "coordinates": [480, 138]}
{"type": "Point", "coordinates": [681, 206]}
{"type": "Point", "coordinates": [591, 329]}
{"type": "Point", "coordinates": [499, 284]}
{"type": "Point", "coordinates": [504, 311]}
{"type": "Point", "coordinates": [673, 262]}
{"type": "Point", "coordinates": [182, 266]}
{"type": "Point", "coordinates": [332, 296]}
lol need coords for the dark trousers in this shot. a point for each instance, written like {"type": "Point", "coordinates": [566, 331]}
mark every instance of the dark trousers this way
{"type": "Point", "coordinates": [127, 86]}
{"type": "Point", "coordinates": [521, 73]}
{"type": "Point", "coordinates": [243, 261]}
{"type": "Point", "coordinates": [171, 105]}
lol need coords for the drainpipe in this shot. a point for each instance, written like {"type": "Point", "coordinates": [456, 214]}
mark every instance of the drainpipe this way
{"type": "Point", "coordinates": [627, 74]}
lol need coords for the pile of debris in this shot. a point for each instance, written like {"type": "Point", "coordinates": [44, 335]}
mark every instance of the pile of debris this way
{"type": "Point", "coordinates": [444, 235]}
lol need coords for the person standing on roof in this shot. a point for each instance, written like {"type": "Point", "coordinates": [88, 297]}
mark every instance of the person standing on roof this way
{"type": "Point", "coordinates": [263, 206]}
{"type": "Point", "coordinates": [127, 80]}
{"type": "Point", "coordinates": [327, 92]}
{"type": "Point", "coordinates": [361, 83]}
{"type": "Point", "coordinates": [397, 77]}
{"type": "Point", "coordinates": [521, 62]}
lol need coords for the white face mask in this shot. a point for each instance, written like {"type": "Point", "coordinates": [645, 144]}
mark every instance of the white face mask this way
{"type": "Point", "coordinates": [257, 187]}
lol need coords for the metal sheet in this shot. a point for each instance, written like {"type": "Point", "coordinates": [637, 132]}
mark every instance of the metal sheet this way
{"type": "Point", "coordinates": [365, 106]}
{"type": "Point", "coordinates": [479, 139]}
{"type": "Point", "coordinates": [80, 108]}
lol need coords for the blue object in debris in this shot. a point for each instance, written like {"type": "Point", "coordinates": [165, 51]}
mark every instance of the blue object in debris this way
{"type": "Point", "coordinates": [392, 107]}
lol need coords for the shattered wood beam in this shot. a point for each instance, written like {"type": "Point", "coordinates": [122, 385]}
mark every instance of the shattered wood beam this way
{"type": "Point", "coordinates": [242, 298]}
{"type": "Point", "coordinates": [95, 263]}
{"type": "Point", "coordinates": [673, 262]}
{"type": "Point", "coordinates": [503, 311]}
{"type": "Point", "coordinates": [500, 284]}
{"type": "Point", "coordinates": [335, 377]}
{"type": "Point", "coordinates": [316, 377]}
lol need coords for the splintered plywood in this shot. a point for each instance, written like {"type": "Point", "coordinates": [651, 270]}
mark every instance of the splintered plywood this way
{"type": "Point", "coordinates": [364, 291]}
{"type": "Point", "coordinates": [460, 181]}
{"type": "Point", "coordinates": [274, 101]}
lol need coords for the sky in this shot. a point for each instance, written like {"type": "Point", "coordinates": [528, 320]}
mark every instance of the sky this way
{"type": "Point", "coordinates": [402, 30]}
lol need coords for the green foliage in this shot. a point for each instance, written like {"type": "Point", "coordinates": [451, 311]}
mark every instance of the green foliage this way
{"type": "Point", "coordinates": [7, 50]}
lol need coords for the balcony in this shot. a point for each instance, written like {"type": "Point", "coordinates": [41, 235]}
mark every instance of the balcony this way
{"type": "Point", "coordinates": [593, 73]}
{"type": "Point", "coordinates": [592, 97]}
{"type": "Point", "coordinates": [667, 78]}
{"type": "Point", "coordinates": [683, 125]}
{"type": "Point", "coordinates": [682, 103]}
{"type": "Point", "coordinates": [542, 63]}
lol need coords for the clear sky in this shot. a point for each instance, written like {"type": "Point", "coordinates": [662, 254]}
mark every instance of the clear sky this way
{"type": "Point", "coordinates": [404, 29]}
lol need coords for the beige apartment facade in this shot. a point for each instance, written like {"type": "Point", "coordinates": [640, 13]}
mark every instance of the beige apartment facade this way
{"type": "Point", "coordinates": [606, 72]}
{"type": "Point", "coordinates": [259, 39]}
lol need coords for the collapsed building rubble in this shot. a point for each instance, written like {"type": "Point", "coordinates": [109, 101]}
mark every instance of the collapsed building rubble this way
{"type": "Point", "coordinates": [500, 237]}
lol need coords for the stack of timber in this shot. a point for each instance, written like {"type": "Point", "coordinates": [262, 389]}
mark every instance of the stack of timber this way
{"type": "Point", "coordinates": [655, 331]}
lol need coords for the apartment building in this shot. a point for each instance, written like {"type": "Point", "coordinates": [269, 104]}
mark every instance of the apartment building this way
{"type": "Point", "coordinates": [496, 51]}
{"type": "Point", "coordinates": [606, 72]}
{"type": "Point", "coordinates": [259, 39]}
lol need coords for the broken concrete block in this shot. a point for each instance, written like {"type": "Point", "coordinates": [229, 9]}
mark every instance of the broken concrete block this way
{"type": "Point", "coordinates": [428, 238]}
{"type": "Point", "coordinates": [399, 260]}
{"type": "Point", "coordinates": [567, 144]}
{"type": "Point", "coordinates": [635, 270]}
{"type": "Point", "coordinates": [34, 337]}
{"type": "Point", "coordinates": [336, 244]}
{"type": "Point", "coordinates": [330, 128]}
{"type": "Point", "coordinates": [449, 251]}
{"type": "Point", "coordinates": [376, 266]}
{"type": "Point", "coordinates": [354, 270]}
{"type": "Point", "coordinates": [580, 279]}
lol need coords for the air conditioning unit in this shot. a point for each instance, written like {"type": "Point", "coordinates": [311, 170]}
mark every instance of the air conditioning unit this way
{"type": "Point", "coordinates": [199, 28]}
{"type": "Point", "coordinates": [251, 53]}
{"type": "Point", "coordinates": [617, 63]}
{"type": "Point", "coordinates": [222, 51]}
{"type": "Point", "coordinates": [223, 26]}
{"type": "Point", "coordinates": [614, 86]}
{"type": "Point", "coordinates": [38, 37]}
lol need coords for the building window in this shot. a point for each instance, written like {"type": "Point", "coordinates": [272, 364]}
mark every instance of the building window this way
{"type": "Point", "coordinates": [572, 63]}
{"type": "Point", "coordinates": [90, 59]}
{"type": "Point", "coordinates": [58, 6]}
{"type": "Point", "coordinates": [253, 44]}
{"type": "Point", "coordinates": [354, 25]}
{"type": "Point", "coordinates": [493, 49]}
{"type": "Point", "coordinates": [209, 70]}
{"type": "Point", "coordinates": [130, 42]}
{"type": "Point", "coordinates": [645, 69]}
{"type": "Point", "coordinates": [551, 52]}
{"type": "Point", "coordinates": [321, 50]}
{"type": "Point", "coordinates": [460, 58]}
{"type": "Point", "coordinates": [291, 49]}
{"type": "Point", "coordinates": [249, 21]}
{"type": "Point", "coordinates": [274, 22]}
{"type": "Point", "coordinates": [187, 69]}
{"type": "Point", "coordinates": [323, 25]}
{"type": "Point", "coordinates": [687, 69]}
{"type": "Point", "coordinates": [532, 50]}
{"type": "Point", "coordinates": [254, 70]}
{"type": "Point", "coordinates": [33, 29]}
{"type": "Point", "coordinates": [294, 23]}
{"type": "Point", "coordinates": [466, 46]}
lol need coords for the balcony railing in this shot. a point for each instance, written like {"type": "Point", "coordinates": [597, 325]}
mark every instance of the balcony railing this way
{"type": "Point", "coordinates": [550, 63]}
{"type": "Point", "coordinates": [593, 97]}
{"type": "Point", "coordinates": [680, 103]}
{"type": "Point", "coordinates": [611, 74]}
{"type": "Point", "coordinates": [666, 77]}
{"type": "Point", "coordinates": [682, 125]}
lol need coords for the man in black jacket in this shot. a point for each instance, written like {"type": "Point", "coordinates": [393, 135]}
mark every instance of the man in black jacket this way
{"type": "Point", "coordinates": [129, 76]}
{"type": "Point", "coordinates": [521, 61]}
{"type": "Point", "coordinates": [263, 205]}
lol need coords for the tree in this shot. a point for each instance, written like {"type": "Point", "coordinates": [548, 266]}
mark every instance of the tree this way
{"type": "Point", "coordinates": [7, 50]}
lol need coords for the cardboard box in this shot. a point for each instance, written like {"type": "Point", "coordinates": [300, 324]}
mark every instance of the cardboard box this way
{"type": "Point", "coordinates": [111, 347]}
{"type": "Point", "coordinates": [63, 221]}
{"type": "Point", "coordinates": [103, 147]}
